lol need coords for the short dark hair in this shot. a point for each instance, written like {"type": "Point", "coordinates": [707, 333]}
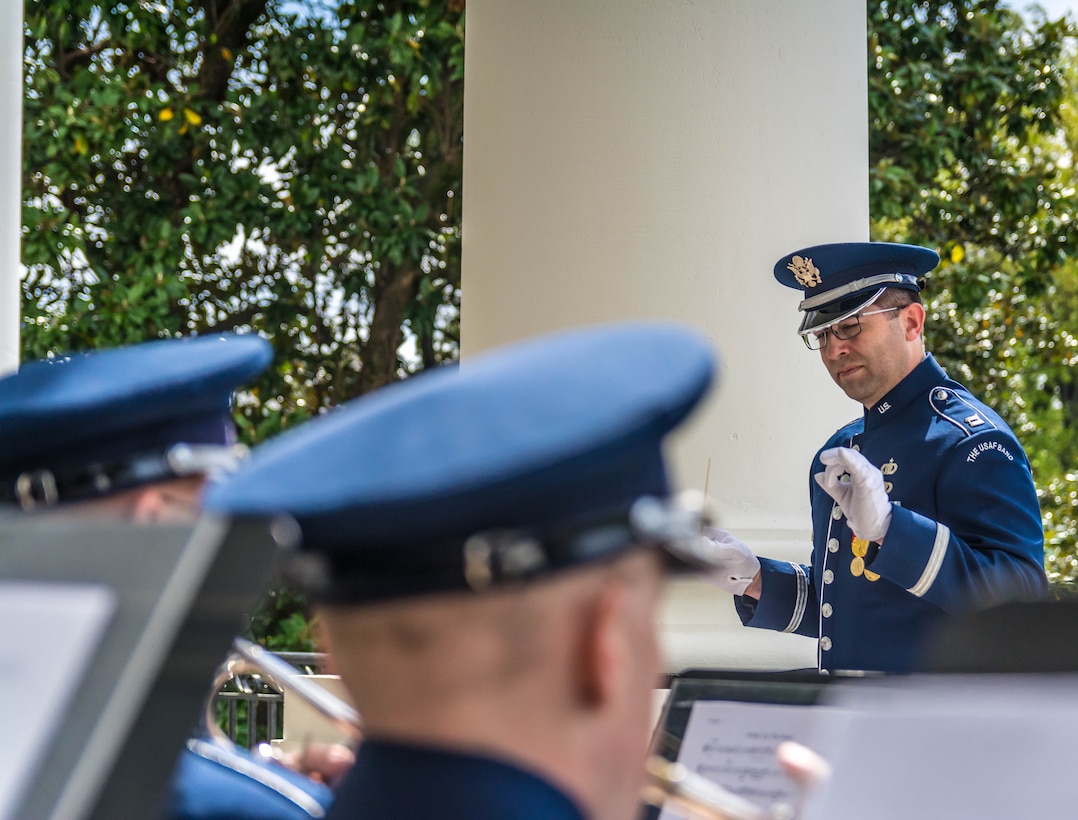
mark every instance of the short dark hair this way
{"type": "Point", "coordinates": [897, 297]}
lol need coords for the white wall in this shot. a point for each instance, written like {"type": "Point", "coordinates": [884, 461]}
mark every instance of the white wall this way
{"type": "Point", "coordinates": [11, 94]}
{"type": "Point", "coordinates": [654, 158]}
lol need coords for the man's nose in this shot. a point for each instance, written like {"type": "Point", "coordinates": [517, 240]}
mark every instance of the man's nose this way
{"type": "Point", "coordinates": [835, 346]}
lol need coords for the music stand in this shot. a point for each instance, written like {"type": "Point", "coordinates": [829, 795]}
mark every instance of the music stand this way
{"type": "Point", "coordinates": [1022, 637]}
{"type": "Point", "coordinates": [159, 607]}
{"type": "Point", "coordinates": [787, 698]}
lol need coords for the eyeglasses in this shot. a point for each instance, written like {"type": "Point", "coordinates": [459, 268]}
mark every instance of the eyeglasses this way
{"type": "Point", "coordinates": [846, 329]}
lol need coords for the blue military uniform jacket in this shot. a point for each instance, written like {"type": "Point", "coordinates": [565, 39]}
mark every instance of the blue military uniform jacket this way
{"type": "Point", "coordinates": [392, 781]}
{"type": "Point", "coordinates": [215, 783]}
{"type": "Point", "coordinates": [965, 532]}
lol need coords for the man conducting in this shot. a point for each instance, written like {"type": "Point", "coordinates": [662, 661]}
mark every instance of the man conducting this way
{"type": "Point", "coordinates": [923, 507]}
{"type": "Point", "coordinates": [488, 544]}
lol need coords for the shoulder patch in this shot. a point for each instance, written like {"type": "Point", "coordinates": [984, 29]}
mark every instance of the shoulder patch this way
{"type": "Point", "coordinates": [990, 446]}
{"type": "Point", "coordinates": [950, 405]}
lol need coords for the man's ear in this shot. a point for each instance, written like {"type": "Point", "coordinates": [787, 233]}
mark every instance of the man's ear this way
{"type": "Point", "coordinates": [604, 646]}
{"type": "Point", "coordinates": [913, 318]}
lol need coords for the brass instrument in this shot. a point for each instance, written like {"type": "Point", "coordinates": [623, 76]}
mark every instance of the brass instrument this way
{"type": "Point", "coordinates": [248, 657]}
{"type": "Point", "coordinates": [673, 785]}
{"type": "Point", "coordinates": [667, 782]}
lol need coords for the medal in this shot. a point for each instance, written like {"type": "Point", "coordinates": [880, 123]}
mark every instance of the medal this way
{"type": "Point", "coordinates": [857, 565]}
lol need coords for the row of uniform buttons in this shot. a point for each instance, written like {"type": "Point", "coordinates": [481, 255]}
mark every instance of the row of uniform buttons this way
{"type": "Point", "coordinates": [828, 577]}
{"type": "Point", "coordinates": [832, 545]}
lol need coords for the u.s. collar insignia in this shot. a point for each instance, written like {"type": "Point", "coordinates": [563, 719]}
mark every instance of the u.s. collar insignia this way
{"type": "Point", "coordinates": [806, 274]}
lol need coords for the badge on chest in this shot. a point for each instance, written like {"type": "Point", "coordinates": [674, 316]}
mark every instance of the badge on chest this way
{"type": "Point", "coordinates": [857, 565]}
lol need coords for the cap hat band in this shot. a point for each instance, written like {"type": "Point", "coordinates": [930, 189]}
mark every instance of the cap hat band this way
{"type": "Point", "coordinates": [46, 488]}
{"type": "Point", "coordinates": [494, 558]}
{"type": "Point", "coordinates": [850, 288]}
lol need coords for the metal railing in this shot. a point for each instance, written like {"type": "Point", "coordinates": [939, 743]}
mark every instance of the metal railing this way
{"type": "Point", "coordinates": [250, 710]}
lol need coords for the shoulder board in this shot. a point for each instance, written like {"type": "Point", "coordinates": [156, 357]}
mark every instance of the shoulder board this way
{"type": "Point", "coordinates": [949, 404]}
{"type": "Point", "coordinates": [847, 430]}
{"type": "Point", "coordinates": [849, 424]}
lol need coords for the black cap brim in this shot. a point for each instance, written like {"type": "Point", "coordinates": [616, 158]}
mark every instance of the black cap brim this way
{"type": "Point", "coordinates": [827, 315]}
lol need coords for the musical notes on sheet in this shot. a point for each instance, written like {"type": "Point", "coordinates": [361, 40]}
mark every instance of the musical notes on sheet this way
{"type": "Point", "coordinates": [733, 744]}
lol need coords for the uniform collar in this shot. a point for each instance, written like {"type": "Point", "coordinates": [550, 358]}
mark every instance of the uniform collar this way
{"type": "Point", "coordinates": [391, 779]}
{"type": "Point", "coordinates": [923, 377]}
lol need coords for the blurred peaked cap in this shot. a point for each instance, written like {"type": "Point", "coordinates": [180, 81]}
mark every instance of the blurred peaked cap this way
{"type": "Point", "coordinates": [520, 462]}
{"type": "Point", "coordinates": [842, 278]}
{"type": "Point", "coordinates": [106, 406]}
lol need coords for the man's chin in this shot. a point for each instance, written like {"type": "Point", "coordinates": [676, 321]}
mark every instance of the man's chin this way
{"type": "Point", "coordinates": [843, 381]}
{"type": "Point", "coordinates": [852, 388]}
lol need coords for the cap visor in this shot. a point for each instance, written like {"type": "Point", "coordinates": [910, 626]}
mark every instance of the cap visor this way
{"type": "Point", "coordinates": [816, 320]}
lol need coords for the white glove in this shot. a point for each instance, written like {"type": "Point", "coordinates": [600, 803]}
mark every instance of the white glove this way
{"type": "Point", "coordinates": [734, 565]}
{"type": "Point", "coordinates": [857, 486]}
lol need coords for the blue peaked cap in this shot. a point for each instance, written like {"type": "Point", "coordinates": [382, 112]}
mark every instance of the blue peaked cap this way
{"type": "Point", "coordinates": [520, 462]}
{"type": "Point", "coordinates": [843, 278]}
{"type": "Point", "coordinates": [95, 422]}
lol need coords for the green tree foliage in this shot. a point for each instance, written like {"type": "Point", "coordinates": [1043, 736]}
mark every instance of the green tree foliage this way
{"type": "Point", "coordinates": [973, 138]}
{"type": "Point", "coordinates": [247, 164]}
{"type": "Point", "coordinates": [288, 168]}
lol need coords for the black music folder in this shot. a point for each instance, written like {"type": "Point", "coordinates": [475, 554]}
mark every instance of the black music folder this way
{"type": "Point", "coordinates": [111, 636]}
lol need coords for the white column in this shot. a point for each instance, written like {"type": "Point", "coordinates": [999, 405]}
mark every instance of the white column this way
{"type": "Point", "coordinates": [654, 158]}
{"type": "Point", "coordinates": [11, 94]}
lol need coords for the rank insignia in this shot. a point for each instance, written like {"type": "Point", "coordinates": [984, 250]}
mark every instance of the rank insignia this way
{"type": "Point", "coordinates": [806, 273]}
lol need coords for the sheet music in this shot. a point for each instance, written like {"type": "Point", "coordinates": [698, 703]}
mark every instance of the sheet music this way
{"type": "Point", "coordinates": [952, 746]}
{"type": "Point", "coordinates": [733, 744]}
{"type": "Point", "coordinates": [50, 634]}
